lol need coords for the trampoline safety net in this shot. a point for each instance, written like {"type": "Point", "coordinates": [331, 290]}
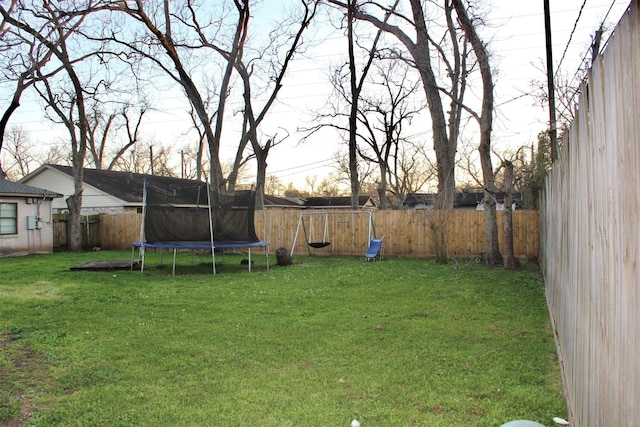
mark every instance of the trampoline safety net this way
{"type": "Point", "coordinates": [180, 213]}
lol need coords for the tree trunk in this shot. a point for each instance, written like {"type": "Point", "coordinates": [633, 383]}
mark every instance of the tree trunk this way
{"type": "Point", "coordinates": [283, 257]}
{"type": "Point", "coordinates": [444, 148]}
{"type": "Point", "coordinates": [437, 219]}
{"type": "Point", "coordinates": [261, 176]}
{"type": "Point", "coordinates": [382, 186]}
{"type": "Point", "coordinates": [492, 249]}
{"type": "Point", "coordinates": [353, 123]}
{"type": "Point", "coordinates": [74, 203]}
{"type": "Point", "coordinates": [510, 261]}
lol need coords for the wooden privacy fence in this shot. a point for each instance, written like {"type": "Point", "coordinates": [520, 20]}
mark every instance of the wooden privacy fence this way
{"type": "Point", "coordinates": [90, 231]}
{"type": "Point", "coordinates": [406, 233]}
{"type": "Point", "coordinates": [590, 242]}
{"type": "Point", "coordinates": [119, 231]}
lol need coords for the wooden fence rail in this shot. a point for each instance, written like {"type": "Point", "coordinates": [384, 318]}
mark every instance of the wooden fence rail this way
{"type": "Point", "coordinates": [406, 233]}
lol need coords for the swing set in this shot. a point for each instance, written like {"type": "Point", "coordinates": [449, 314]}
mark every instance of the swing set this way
{"type": "Point", "coordinates": [321, 240]}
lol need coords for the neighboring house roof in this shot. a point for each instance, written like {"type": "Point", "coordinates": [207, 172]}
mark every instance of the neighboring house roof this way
{"type": "Point", "coordinates": [338, 202]}
{"type": "Point", "coordinates": [462, 199]}
{"type": "Point", "coordinates": [282, 202]}
{"type": "Point", "coordinates": [16, 189]}
{"type": "Point", "coordinates": [126, 186]}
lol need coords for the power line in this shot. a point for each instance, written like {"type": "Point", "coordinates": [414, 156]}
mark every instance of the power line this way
{"type": "Point", "coordinates": [515, 98]}
{"type": "Point", "coordinates": [331, 159]}
{"type": "Point", "coordinates": [579, 73]}
{"type": "Point", "coordinates": [604, 20]}
{"type": "Point", "coordinates": [309, 169]}
{"type": "Point", "coordinates": [575, 25]}
{"type": "Point", "coordinates": [609, 11]}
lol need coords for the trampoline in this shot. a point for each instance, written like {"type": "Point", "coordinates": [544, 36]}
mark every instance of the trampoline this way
{"type": "Point", "coordinates": [180, 218]}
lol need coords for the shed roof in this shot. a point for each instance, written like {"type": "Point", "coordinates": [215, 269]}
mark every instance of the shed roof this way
{"type": "Point", "coordinates": [9, 188]}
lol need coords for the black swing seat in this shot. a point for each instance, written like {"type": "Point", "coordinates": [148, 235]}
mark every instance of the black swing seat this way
{"type": "Point", "coordinates": [318, 245]}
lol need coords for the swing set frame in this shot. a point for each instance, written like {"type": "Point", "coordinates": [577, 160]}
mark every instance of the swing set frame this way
{"type": "Point", "coordinates": [325, 215]}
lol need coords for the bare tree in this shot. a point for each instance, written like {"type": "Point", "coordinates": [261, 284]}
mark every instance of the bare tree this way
{"type": "Point", "coordinates": [292, 191]}
{"type": "Point", "coordinates": [366, 172]}
{"type": "Point", "coordinates": [179, 38]}
{"type": "Point", "coordinates": [146, 158]}
{"type": "Point", "coordinates": [21, 55]}
{"type": "Point", "coordinates": [485, 121]}
{"type": "Point", "coordinates": [199, 153]}
{"type": "Point", "coordinates": [155, 40]}
{"type": "Point", "coordinates": [191, 163]}
{"type": "Point", "coordinates": [382, 114]}
{"type": "Point", "coordinates": [410, 172]}
{"type": "Point", "coordinates": [103, 130]}
{"type": "Point", "coordinates": [99, 128]}
{"type": "Point", "coordinates": [161, 162]}
{"type": "Point", "coordinates": [274, 186]}
{"type": "Point", "coordinates": [422, 48]}
{"type": "Point", "coordinates": [530, 175]}
{"type": "Point", "coordinates": [52, 26]}
{"type": "Point", "coordinates": [254, 117]}
{"type": "Point", "coordinates": [384, 118]}
{"type": "Point", "coordinates": [355, 88]}
{"type": "Point", "coordinates": [20, 149]}
{"type": "Point", "coordinates": [57, 154]}
{"type": "Point", "coordinates": [329, 186]}
{"type": "Point", "coordinates": [311, 184]}
{"type": "Point", "coordinates": [568, 84]}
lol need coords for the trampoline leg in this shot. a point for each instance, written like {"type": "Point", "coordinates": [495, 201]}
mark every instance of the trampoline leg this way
{"type": "Point", "coordinates": [249, 259]}
{"type": "Point", "coordinates": [173, 271]}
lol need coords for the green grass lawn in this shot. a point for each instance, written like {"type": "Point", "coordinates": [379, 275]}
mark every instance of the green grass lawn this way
{"type": "Point", "coordinates": [393, 343]}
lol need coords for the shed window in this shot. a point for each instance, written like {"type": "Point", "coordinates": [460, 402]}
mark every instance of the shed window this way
{"type": "Point", "coordinates": [8, 218]}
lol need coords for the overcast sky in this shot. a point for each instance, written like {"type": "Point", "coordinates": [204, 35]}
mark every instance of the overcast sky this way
{"type": "Point", "coordinates": [516, 39]}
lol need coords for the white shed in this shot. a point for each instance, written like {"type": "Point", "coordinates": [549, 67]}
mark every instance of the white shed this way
{"type": "Point", "coordinates": [26, 219]}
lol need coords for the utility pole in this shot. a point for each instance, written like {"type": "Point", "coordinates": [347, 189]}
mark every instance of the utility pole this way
{"type": "Point", "coordinates": [182, 164]}
{"type": "Point", "coordinates": [553, 136]}
{"type": "Point", "coordinates": [151, 158]}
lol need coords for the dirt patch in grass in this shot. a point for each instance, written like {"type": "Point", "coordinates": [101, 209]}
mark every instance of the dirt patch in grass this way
{"type": "Point", "coordinates": [23, 373]}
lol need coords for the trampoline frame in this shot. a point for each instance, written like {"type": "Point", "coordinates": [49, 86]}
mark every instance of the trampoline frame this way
{"type": "Point", "coordinates": [175, 246]}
